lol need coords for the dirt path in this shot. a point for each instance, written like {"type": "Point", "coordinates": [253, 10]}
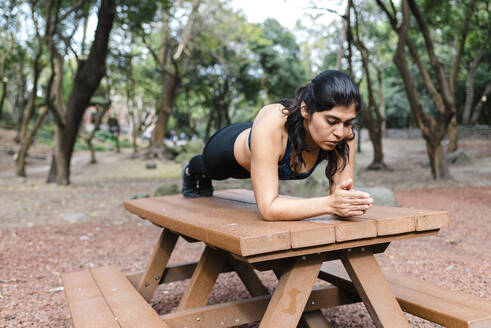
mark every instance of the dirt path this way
{"type": "Point", "coordinates": [47, 230]}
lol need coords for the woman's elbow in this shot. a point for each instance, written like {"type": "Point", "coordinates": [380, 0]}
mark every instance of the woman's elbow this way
{"type": "Point", "coordinates": [267, 214]}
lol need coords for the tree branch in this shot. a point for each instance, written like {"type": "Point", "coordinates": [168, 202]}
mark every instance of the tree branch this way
{"type": "Point", "coordinates": [435, 63]}
{"type": "Point", "coordinates": [186, 34]}
{"type": "Point", "coordinates": [437, 98]}
{"type": "Point", "coordinates": [458, 56]}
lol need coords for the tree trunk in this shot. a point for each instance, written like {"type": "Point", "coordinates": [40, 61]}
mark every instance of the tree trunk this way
{"type": "Point", "coordinates": [452, 136]}
{"type": "Point", "coordinates": [480, 104]}
{"type": "Point", "coordinates": [20, 157]}
{"type": "Point", "coordinates": [100, 115]}
{"type": "Point", "coordinates": [134, 134]}
{"type": "Point", "coordinates": [169, 93]}
{"type": "Point", "coordinates": [87, 79]}
{"type": "Point", "coordinates": [4, 94]}
{"type": "Point", "coordinates": [438, 163]}
{"type": "Point", "coordinates": [433, 130]}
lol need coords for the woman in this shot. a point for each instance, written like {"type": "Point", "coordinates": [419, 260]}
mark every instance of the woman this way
{"type": "Point", "coordinates": [287, 141]}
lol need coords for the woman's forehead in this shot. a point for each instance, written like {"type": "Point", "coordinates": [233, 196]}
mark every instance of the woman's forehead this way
{"type": "Point", "coordinates": [343, 113]}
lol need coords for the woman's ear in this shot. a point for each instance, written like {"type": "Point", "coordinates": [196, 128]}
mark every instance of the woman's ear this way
{"type": "Point", "coordinates": [303, 111]}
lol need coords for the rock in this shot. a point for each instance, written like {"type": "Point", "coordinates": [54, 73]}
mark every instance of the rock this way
{"type": "Point", "coordinates": [151, 166]}
{"type": "Point", "coordinates": [458, 157]}
{"type": "Point", "coordinates": [167, 189]}
{"type": "Point", "coordinates": [382, 196]}
{"type": "Point", "coordinates": [138, 196]}
{"type": "Point", "coordinates": [74, 217]}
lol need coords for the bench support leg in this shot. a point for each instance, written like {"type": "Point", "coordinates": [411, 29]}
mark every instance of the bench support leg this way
{"type": "Point", "coordinates": [373, 289]}
{"type": "Point", "coordinates": [292, 292]}
{"type": "Point", "coordinates": [204, 277]}
{"type": "Point", "coordinates": [315, 319]}
{"type": "Point", "coordinates": [310, 319]}
{"type": "Point", "coordinates": [149, 281]}
{"type": "Point", "coordinates": [249, 278]}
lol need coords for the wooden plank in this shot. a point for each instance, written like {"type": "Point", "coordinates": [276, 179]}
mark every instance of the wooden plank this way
{"type": "Point", "coordinates": [390, 220]}
{"type": "Point", "coordinates": [315, 319]}
{"type": "Point", "coordinates": [249, 278]}
{"type": "Point", "coordinates": [292, 292]}
{"type": "Point", "coordinates": [431, 302]}
{"type": "Point", "coordinates": [333, 247]}
{"type": "Point", "coordinates": [204, 277]}
{"type": "Point", "coordinates": [235, 227]}
{"type": "Point", "coordinates": [240, 312]}
{"type": "Point", "coordinates": [88, 308]}
{"type": "Point", "coordinates": [373, 289]}
{"type": "Point", "coordinates": [128, 306]}
{"type": "Point", "coordinates": [158, 261]}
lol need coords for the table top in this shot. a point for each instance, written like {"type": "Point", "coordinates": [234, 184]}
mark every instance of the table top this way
{"type": "Point", "coordinates": [231, 221]}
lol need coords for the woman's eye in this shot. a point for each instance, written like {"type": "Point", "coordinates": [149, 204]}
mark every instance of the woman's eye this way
{"type": "Point", "coordinates": [331, 122]}
{"type": "Point", "coordinates": [348, 124]}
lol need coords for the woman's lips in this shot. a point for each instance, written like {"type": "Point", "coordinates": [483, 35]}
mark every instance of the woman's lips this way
{"type": "Point", "coordinates": [331, 143]}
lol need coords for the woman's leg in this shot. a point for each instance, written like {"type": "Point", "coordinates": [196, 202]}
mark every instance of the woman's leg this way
{"type": "Point", "coordinates": [217, 162]}
{"type": "Point", "coordinates": [194, 180]}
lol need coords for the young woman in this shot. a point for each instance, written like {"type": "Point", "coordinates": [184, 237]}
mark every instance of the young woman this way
{"type": "Point", "coordinates": [287, 141]}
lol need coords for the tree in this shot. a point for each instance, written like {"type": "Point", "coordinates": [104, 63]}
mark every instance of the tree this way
{"type": "Point", "coordinates": [86, 80]}
{"type": "Point", "coordinates": [443, 98]}
{"type": "Point", "coordinates": [170, 62]}
{"type": "Point", "coordinates": [373, 115]}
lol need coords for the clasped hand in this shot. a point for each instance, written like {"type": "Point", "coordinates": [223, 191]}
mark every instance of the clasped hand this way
{"type": "Point", "coordinates": [345, 201]}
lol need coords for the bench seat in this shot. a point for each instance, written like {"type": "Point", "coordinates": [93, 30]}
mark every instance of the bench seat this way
{"type": "Point", "coordinates": [431, 302]}
{"type": "Point", "coordinates": [103, 297]}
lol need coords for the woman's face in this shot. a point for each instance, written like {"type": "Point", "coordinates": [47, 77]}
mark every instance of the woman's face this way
{"type": "Point", "coordinates": [329, 127]}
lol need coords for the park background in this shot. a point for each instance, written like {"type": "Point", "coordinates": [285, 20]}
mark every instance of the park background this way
{"type": "Point", "coordinates": [103, 101]}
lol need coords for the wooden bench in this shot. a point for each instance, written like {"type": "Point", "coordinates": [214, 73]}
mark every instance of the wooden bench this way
{"type": "Point", "coordinates": [237, 239]}
{"type": "Point", "coordinates": [104, 298]}
{"type": "Point", "coordinates": [425, 300]}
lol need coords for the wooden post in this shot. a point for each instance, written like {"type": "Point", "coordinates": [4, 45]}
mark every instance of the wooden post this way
{"type": "Point", "coordinates": [373, 289]}
{"type": "Point", "coordinates": [150, 279]}
{"type": "Point", "coordinates": [204, 277]}
{"type": "Point", "coordinates": [291, 294]}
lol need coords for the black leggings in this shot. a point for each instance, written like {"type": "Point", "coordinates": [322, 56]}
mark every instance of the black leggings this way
{"type": "Point", "coordinates": [218, 161]}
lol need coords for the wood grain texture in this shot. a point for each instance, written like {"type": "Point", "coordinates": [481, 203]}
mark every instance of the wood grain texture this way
{"type": "Point", "coordinates": [150, 279]}
{"type": "Point", "coordinates": [88, 308]}
{"type": "Point", "coordinates": [292, 292]}
{"type": "Point", "coordinates": [231, 221]}
{"type": "Point", "coordinates": [204, 277]}
{"type": "Point", "coordinates": [428, 301]}
{"type": "Point", "coordinates": [128, 306]}
{"type": "Point", "coordinates": [249, 310]}
{"type": "Point", "coordinates": [373, 289]}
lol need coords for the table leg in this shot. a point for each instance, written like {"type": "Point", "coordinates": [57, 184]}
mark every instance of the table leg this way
{"type": "Point", "coordinates": [373, 288]}
{"type": "Point", "coordinates": [249, 278]}
{"type": "Point", "coordinates": [315, 319]}
{"type": "Point", "coordinates": [291, 294]}
{"type": "Point", "coordinates": [150, 278]}
{"type": "Point", "coordinates": [204, 277]}
{"type": "Point", "coordinates": [311, 319]}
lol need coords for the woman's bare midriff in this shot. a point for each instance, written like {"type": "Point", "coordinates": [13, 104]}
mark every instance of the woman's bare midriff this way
{"type": "Point", "coordinates": [242, 153]}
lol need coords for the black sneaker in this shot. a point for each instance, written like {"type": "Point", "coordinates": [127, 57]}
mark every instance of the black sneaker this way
{"type": "Point", "coordinates": [205, 188]}
{"type": "Point", "coordinates": [189, 185]}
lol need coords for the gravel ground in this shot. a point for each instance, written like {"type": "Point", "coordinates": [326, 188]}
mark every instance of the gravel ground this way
{"type": "Point", "coordinates": [46, 230]}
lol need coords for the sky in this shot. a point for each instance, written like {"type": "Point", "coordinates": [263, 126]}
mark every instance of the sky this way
{"type": "Point", "coordinates": [287, 12]}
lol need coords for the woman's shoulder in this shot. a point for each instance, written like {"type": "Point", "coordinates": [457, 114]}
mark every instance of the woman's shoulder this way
{"type": "Point", "coordinates": [273, 113]}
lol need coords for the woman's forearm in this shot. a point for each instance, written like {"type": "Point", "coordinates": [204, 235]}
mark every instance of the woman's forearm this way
{"type": "Point", "coordinates": [285, 208]}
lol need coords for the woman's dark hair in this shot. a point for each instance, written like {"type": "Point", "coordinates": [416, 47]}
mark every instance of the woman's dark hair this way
{"type": "Point", "coordinates": [327, 90]}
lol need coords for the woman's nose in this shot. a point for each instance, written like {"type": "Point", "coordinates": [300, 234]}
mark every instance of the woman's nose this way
{"type": "Point", "coordinates": [339, 130]}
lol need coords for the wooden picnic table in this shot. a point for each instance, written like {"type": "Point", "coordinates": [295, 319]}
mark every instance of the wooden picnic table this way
{"type": "Point", "coordinates": [238, 238]}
